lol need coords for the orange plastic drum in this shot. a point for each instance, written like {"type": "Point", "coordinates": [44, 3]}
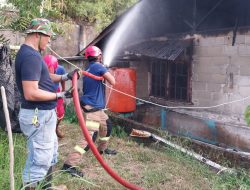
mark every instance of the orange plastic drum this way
{"type": "Point", "coordinates": [126, 83]}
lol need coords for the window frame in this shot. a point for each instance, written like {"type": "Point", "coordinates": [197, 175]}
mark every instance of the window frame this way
{"type": "Point", "coordinates": [165, 78]}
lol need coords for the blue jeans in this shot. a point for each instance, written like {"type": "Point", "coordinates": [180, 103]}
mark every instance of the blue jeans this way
{"type": "Point", "coordinates": [42, 143]}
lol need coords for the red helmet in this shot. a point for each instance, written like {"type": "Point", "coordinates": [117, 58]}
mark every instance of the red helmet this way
{"type": "Point", "coordinates": [51, 61]}
{"type": "Point", "coordinates": [92, 51]}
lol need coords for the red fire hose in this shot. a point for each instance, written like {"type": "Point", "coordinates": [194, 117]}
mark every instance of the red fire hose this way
{"type": "Point", "coordinates": [89, 139]}
{"type": "Point", "coordinates": [91, 75]}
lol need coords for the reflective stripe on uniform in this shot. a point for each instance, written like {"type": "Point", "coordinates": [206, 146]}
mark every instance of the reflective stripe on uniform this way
{"type": "Point", "coordinates": [79, 149]}
{"type": "Point", "coordinates": [92, 125]}
{"type": "Point", "coordinates": [104, 138]}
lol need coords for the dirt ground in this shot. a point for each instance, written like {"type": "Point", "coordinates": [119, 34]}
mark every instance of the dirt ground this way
{"type": "Point", "coordinates": [149, 167]}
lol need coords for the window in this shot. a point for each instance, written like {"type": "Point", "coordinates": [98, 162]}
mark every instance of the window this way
{"type": "Point", "coordinates": [159, 76]}
{"type": "Point", "coordinates": [170, 80]}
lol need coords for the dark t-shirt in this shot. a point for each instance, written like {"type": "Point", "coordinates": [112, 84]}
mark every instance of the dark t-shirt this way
{"type": "Point", "coordinates": [29, 66]}
{"type": "Point", "coordinates": [93, 90]}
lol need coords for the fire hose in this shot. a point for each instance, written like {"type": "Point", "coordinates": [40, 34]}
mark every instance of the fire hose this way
{"type": "Point", "coordinates": [89, 139]}
{"type": "Point", "coordinates": [91, 75]}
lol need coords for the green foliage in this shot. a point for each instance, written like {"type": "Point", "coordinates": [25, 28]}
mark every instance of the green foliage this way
{"type": "Point", "coordinates": [247, 115]}
{"type": "Point", "coordinates": [108, 10]}
{"type": "Point", "coordinates": [3, 40]}
{"type": "Point", "coordinates": [27, 8]}
{"type": "Point", "coordinates": [20, 24]}
{"type": "Point", "coordinates": [118, 131]}
{"type": "Point", "coordinates": [70, 114]}
{"type": "Point", "coordinates": [26, 12]}
{"type": "Point", "coordinates": [99, 12]}
{"type": "Point", "coordinates": [93, 12]}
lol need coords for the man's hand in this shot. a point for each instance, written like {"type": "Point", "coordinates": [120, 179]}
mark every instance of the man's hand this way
{"type": "Point", "coordinates": [66, 94]}
{"type": "Point", "coordinates": [69, 76]}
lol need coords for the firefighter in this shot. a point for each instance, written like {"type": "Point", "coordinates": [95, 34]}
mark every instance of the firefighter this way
{"type": "Point", "coordinates": [52, 64]}
{"type": "Point", "coordinates": [93, 102]}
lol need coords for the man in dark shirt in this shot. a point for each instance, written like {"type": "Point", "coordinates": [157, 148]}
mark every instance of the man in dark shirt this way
{"type": "Point", "coordinates": [37, 115]}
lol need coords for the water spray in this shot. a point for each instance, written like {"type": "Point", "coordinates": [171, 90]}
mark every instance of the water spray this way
{"type": "Point", "coordinates": [118, 37]}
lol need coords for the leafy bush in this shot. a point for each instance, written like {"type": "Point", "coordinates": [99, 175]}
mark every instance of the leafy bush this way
{"type": "Point", "coordinates": [99, 12]}
{"type": "Point", "coordinates": [70, 114]}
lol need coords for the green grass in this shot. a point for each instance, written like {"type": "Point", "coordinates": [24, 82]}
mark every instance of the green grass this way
{"type": "Point", "coordinates": [224, 181]}
{"type": "Point", "coordinates": [19, 153]}
{"type": "Point", "coordinates": [119, 132]}
{"type": "Point", "coordinates": [152, 167]}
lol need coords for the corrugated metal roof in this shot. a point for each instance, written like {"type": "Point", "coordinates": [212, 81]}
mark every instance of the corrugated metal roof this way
{"type": "Point", "coordinates": [168, 50]}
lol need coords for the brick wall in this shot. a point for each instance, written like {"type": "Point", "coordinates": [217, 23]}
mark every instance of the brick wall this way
{"type": "Point", "coordinates": [221, 72]}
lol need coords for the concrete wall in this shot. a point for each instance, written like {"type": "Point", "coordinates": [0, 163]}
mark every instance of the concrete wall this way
{"type": "Point", "coordinates": [65, 45]}
{"type": "Point", "coordinates": [221, 72]}
{"type": "Point", "coordinates": [142, 77]}
{"type": "Point", "coordinates": [226, 135]}
{"type": "Point", "coordinates": [16, 38]}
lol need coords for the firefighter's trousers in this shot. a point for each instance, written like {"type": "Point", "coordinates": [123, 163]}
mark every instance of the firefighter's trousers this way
{"type": "Point", "coordinates": [97, 124]}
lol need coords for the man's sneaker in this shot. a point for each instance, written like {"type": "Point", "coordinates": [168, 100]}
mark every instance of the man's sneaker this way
{"type": "Point", "coordinates": [72, 170]}
{"type": "Point", "coordinates": [109, 151]}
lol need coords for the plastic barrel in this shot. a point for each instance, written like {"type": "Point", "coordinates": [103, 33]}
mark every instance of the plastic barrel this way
{"type": "Point", "coordinates": [126, 83]}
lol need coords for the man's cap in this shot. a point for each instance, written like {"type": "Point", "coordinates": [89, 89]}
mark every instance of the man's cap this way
{"type": "Point", "coordinates": [40, 25]}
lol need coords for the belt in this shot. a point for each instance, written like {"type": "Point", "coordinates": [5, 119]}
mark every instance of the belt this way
{"type": "Point", "coordinates": [90, 110]}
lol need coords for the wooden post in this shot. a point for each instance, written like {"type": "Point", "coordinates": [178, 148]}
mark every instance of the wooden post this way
{"type": "Point", "coordinates": [11, 149]}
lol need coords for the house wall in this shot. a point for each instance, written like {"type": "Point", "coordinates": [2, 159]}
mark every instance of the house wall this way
{"type": "Point", "coordinates": [142, 77]}
{"type": "Point", "coordinates": [209, 131]}
{"type": "Point", "coordinates": [221, 72]}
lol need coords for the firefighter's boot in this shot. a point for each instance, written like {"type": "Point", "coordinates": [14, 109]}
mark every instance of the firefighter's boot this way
{"type": "Point", "coordinates": [72, 170]}
{"type": "Point", "coordinates": [109, 151]}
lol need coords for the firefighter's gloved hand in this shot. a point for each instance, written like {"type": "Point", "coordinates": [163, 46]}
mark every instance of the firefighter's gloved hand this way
{"type": "Point", "coordinates": [66, 94]}
{"type": "Point", "coordinates": [69, 76]}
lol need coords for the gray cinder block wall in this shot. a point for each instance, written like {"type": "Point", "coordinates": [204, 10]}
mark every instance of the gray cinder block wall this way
{"type": "Point", "coordinates": [221, 73]}
{"type": "Point", "coordinates": [67, 44]}
{"type": "Point", "coordinates": [142, 77]}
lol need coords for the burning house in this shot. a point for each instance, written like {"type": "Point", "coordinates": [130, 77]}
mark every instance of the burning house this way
{"type": "Point", "coordinates": [192, 57]}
